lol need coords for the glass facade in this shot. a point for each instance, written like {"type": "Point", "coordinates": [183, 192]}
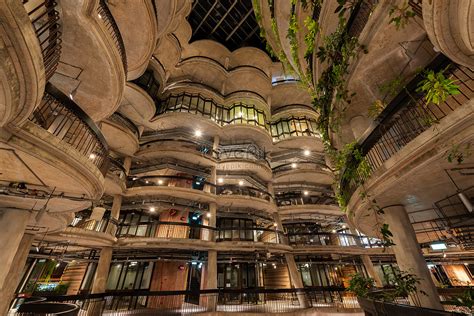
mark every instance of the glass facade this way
{"type": "Point", "coordinates": [238, 113]}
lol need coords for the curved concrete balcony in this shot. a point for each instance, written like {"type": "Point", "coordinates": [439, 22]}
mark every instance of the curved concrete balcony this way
{"type": "Point", "coordinates": [59, 147]}
{"type": "Point", "coordinates": [121, 134]}
{"type": "Point", "coordinates": [31, 46]}
{"type": "Point", "coordinates": [303, 172]}
{"type": "Point", "coordinates": [184, 150]}
{"type": "Point", "coordinates": [244, 197]}
{"type": "Point", "coordinates": [115, 181]}
{"type": "Point", "coordinates": [403, 143]}
{"type": "Point", "coordinates": [137, 105]}
{"type": "Point", "coordinates": [93, 63]}
{"type": "Point", "coordinates": [309, 210]}
{"type": "Point", "coordinates": [172, 186]}
{"type": "Point", "coordinates": [260, 169]}
{"type": "Point", "coordinates": [138, 27]}
{"type": "Point", "coordinates": [449, 27]}
{"type": "Point", "coordinates": [182, 235]}
{"type": "Point", "coordinates": [88, 233]}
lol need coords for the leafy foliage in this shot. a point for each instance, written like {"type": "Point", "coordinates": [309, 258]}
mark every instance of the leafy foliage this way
{"type": "Point", "coordinates": [376, 108]}
{"type": "Point", "coordinates": [401, 15]}
{"type": "Point", "coordinates": [405, 285]}
{"type": "Point", "coordinates": [360, 285]}
{"type": "Point", "coordinates": [465, 299]}
{"type": "Point", "coordinates": [386, 235]}
{"type": "Point", "coordinates": [458, 153]}
{"type": "Point", "coordinates": [437, 87]}
{"type": "Point", "coordinates": [310, 37]}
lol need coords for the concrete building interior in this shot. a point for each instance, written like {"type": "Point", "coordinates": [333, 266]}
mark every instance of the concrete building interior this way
{"type": "Point", "coordinates": [294, 157]}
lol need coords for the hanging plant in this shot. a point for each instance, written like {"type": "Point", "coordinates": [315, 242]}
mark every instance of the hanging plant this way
{"type": "Point", "coordinates": [376, 108]}
{"type": "Point", "coordinates": [437, 87]}
{"type": "Point", "coordinates": [360, 285]}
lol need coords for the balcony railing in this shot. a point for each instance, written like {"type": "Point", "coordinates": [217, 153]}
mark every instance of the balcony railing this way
{"type": "Point", "coordinates": [148, 83]}
{"type": "Point", "coordinates": [116, 167]}
{"type": "Point", "coordinates": [104, 13]}
{"type": "Point", "coordinates": [323, 239]}
{"type": "Point", "coordinates": [243, 190]}
{"type": "Point", "coordinates": [61, 117]}
{"type": "Point", "coordinates": [289, 199]}
{"type": "Point", "coordinates": [106, 225]}
{"type": "Point", "coordinates": [124, 121]}
{"type": "Point", "coordinates": [161, 229]}
{"type": "Point", "coordinates": [197, 184]}
{"type": "Point", "coordinates": [238, 113]}
{"type": "Point", "coordinates": [417, 7]}
{"type": "Point", "coordinates": [316, 166]}
{"type": "Point", "coordinates": [45, 20]}
{"type": "Point", "coordinates": [406, 117]}
{"type": "Point", "coordinates": [223, 300]}
{"type": "Point", "coordinates": [251, 234]}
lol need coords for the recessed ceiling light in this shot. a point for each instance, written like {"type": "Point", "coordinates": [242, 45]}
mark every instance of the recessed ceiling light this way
{"type": "Point", "coordinates": [293, 165]}
{"type": "Point", "coordinates": [220, 180]}
{"type": "Point", "coordinates": [160, 182]}
{"type": "Point", "coordinates": [344, 226]}
{"type": "Point", "coordinates": [197, 133]}
{"type": "Point", "coordinates": [305, 192]}
{"type": "Point", "coordinates": [306, 152]}
{"type": "Point", "coordinates": [92, 156]}
{"type": "Point", "coordinates": [208, 214]}
{"type": "Point", "coordinates": [333, 231]}
{"type": "Point", "coordinates": [152, 209]}
{"type": "Point", "coordinates": [241, 182]}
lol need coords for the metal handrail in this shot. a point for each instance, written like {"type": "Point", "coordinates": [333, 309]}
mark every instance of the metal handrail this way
{"type": "Point", "coordinates": [122, 120]}
{"type": "Point", "coordinates": [45, 20]}
{"type": "Point", "coordinates": [60, 116]}
{"type": "Point", "coordinates": [104, 13]}
{"type": "Point", "coordinates": [404, 118]}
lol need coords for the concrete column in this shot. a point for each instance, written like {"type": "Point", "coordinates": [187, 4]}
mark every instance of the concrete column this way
{"type": "Point", "coordinates": [97, 213]}
{"type": "Point", "coordinates": [116, 205]}
{"type": "Point", "coordinates": [102, 271]}
{"type": "Point", "coordinates": [409, 255]}
{"type": "Point", "coordinates": [13, 224]}
{"type": "Point", "coordinates": [296, 280]}
{"type": "Point", "coordinates": [7, 292]}
{"type": "Point", "coordinates": [127, 163]}
{"type": "Point", "coordinates": [369, 267]}
{"type": "Point", "coordinates": [215, 146]}
{"type": "Point", "coordinates": [211, 283]}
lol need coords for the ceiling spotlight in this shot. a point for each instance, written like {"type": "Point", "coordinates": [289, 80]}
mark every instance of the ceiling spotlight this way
{"type": "Point", "coordinates": [275, 224]}
{"type": "Point", "coordinates": [293, 165]}
{"type": "Point", "coordinates": [220, 180]}
{"type": "Point", "coordinates": [197, 133]}
{"type": "Point", "coordinates": [305, 192]}
{"type": "Point", "coordinates": [241, 182]}
{"type": "Point", "coordinates": [152, 209]}
{"type": "Point", "coordinates": [160, 182]}
{"type": "Point", "coordinates": [146, 181]}
{"type": "Point", "coordinates": [92, 156]}
{"type": "Point", "coordinates": [333, 231]}
{"type": "Point", "coordinates": [306, 152]}
{"type": "Point", "coordinates": [344, 226]}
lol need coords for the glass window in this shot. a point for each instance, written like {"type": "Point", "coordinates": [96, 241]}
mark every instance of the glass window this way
{"type": "Point", "coordinates": [114, 275]}
{"type": "Point", "coordinates": [147, 272]}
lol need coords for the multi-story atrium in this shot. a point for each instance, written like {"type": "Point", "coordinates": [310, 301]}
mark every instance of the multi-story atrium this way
{"type": "Point", "coordinates": [219, 156]}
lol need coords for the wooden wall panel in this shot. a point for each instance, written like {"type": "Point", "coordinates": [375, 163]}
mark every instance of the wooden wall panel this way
{"type": "Point", "coordinates": [167, 276]}
{"type": "Point", "coordinates": [73, 274]}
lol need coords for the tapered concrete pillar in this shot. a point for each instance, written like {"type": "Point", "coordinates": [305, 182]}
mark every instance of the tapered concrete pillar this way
{"type": "Point", "coordinates": [409, 256]}
{"type": "Point", "coordinates": [116, 205]}
{"type": "Point", "coordinates": [97, 213]}
{"type": "Point", "coordinates": [211, 283]}
{"type": "Point", "coordinates": [369, 267]}
{"type": "Point", "coordinates": [7, 292]}
{"type": "Point", "coordinates": [13, 224]}
{"type": "Point", "coordinates": [127, 163]}
{"type": "Point", "coordinates": [296, 280]}
{"type": "Point", "coordinates": [102, 271]}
